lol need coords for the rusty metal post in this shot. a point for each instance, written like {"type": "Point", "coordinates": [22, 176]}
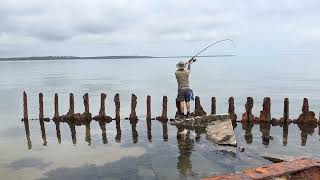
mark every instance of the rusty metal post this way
{"type": "Point", "coordinates": [286, 110]}
{"type": "Point", "coordinates": [148, 107]}
{"type": "Point", "coordinates": [102, 111]}
{"type": "Point", "coordinates": [248, 116]}
{"type": "Point", "coordinates": [133, 114]}
{"type": "Point", "coordinates": [117, 104]}
{"type": "Point", "coordinates": [56, 106]}
{"type": "Point", "coordinates": [198, 110]}
{"type": "Point", "coordinates": [213, 105]}
{"type": "Point", "coordinates": [25, 106]}
{"type": "Point", "coordinates": [71, 104]}
{"type": "Point", "coordinates": [305, 106]}
{"type": "Point", "coordinates": [86, 103]}
{"type": "Point", "coordinates": [164, 117]}
{"type": "Point", "coordinates": [265, 114]}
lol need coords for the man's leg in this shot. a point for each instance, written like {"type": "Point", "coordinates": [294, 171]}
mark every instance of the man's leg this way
{"type": "Point", "coordinates": [188, 106]}
{"type": "Point", "coordinates": [182, 107]}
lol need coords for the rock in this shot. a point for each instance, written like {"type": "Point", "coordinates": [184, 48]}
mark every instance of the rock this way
{"type": "Point", "coordinates": [221, 132]}
{"type": "Point", "coordinates": [200, 121]}
{"type": "Point", "coordinates": [241, 148]}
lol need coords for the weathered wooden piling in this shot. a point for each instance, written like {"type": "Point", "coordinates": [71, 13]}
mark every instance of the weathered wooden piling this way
{"type": "Point", "coordinates": [248, 116]}
{"type": "Point", "coordinates": [102, 113]}
{"type": "Point", "coordinates": [148, 107]}
{"type": "Point", "coordinates": [117, 104]}
{"type": "Point", "coordinates": [71, 104]}
{"type": "Point", "coordinates": [198, 110]}
{"type": "Point", "coordinates": [41, 116]}
{"type": "Point", "coordinates": [164, 117]}
{"type": "Point", "coordinates": [231, 110]}
{"type": "Point", "coordinates": [265, 114]}
{"type": "Point", "coordinates": [133, 115]}
{"type": "Point", "coordinates": [213, 105]}
{"type": "Point", "coordinates": [286, 109]}
{"type": "Point", "coordinates": [86, 103]}
{"type": "Point", "coordinates": [25, 106]}
{"type": "Point", "coordinates": [41, 119]}
{"type": "Point", "coordinates": [307, 116]}
{"type": "Point", "coordinates": [56, 106]}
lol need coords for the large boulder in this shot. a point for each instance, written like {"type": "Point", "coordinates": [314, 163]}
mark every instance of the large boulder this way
{"type": "Point", "coordinates": [221, 132]}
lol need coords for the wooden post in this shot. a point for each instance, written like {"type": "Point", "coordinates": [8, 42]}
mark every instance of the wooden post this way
{"type": "Point", "coordinates": [133, 114]}
{"type": "Point", "coordinates": [164, 117]}
{"type": "Point", "coordinates": [41, 121]}
{"type": "Point", "coordinates": [231, 106]}
{"type": "Point", "coordinates": [102, 111]}
{"type": "Point", "coordinates": [198, 110]}
{"type": "Point", "coordinates": [56, 106]}
{"type": "Point", "coordinates": [286, 110]}
{"type": "Point", "coordinates": [41, 116]}
{"type": "Point", "coordinates": [213, 105]}
{"type": "Point", "coordinates": [25, 106]}
{"type": "Point", "coordinates": [86, 103]}
{"type": "Point", "coordinates": [71, 104]}
{"type": "Point", "coordinates": [148, 107]}
{"type": "Point", "coordinates": [117, 104]}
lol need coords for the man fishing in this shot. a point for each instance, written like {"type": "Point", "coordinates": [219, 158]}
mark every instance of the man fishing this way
{"type": "Point", "coordinates": [182, 76]}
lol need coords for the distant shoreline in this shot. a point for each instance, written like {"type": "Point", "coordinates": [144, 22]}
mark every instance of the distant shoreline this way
{"type": "Point", "coordinates": [40, 58]}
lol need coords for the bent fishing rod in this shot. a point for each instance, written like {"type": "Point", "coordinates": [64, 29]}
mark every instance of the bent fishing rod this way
{"type": "Point", "coordinates": [217, 42]}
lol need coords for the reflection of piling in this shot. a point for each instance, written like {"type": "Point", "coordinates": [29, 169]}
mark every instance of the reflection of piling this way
{"type": "Point", "coordinates": [134, 132]}
{"type": "Point", "coordinates": [41, 119]}
{"type": "Point", "coordinates": [165, 131]}
{"type": "Point", "coordinates": [73, 132]}
{"type": "Point", "coordinates": [133, 115]}
{"type": "Point", "coordinates": [248, 116]}
{"type": "Point", "coordinates": [265, 114]}
{"type": "Point", "coordinates": [285, 134]}
{"type": "Point", "coordinates": [213, 105]}
{"type": "Point", "coordinates": [198, 110]}
{"type": "Point", "coordinates": [88, 134]}
{"type": "Point", "coordinates": [103, 132]}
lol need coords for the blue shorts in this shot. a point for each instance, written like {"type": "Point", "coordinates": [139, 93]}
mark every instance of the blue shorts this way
{"type": "Point", "coordinates": [183, 95]}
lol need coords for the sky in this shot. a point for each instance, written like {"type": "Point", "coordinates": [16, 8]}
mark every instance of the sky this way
{"type": "Point", "coordinates": [158, 28]}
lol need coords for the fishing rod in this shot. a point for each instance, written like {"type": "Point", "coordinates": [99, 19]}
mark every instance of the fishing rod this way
{"type": "Point", "coordinates": [217, 42]}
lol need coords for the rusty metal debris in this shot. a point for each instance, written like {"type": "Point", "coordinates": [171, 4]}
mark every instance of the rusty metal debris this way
{"type": "Point", "coordinates": [296, 169]}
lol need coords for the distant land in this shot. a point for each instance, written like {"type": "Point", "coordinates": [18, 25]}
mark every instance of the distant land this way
{"type": "Point", "coordinates": [98, 57]}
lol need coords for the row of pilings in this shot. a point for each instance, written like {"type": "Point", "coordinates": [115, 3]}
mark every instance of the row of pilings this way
{"type": "Point", "coordinates": [306, 117]}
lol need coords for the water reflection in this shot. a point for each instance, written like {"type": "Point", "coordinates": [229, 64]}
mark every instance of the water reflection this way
{"type": "Point", "coordinates": [306, 129]}
{"type": "Point", "coordinates": [185, 146]}
{"type": "Point", "coordinates": [247, 126]}
{"type": "Point", "coordinates": [183, 134]}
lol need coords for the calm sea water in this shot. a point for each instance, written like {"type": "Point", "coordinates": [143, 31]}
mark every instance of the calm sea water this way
{"type": "Point", "coordinates": [135, 156]}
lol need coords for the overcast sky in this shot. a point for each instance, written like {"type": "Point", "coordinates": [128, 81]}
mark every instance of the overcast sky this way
{"type": "Point", "coordinates": [157, 27]}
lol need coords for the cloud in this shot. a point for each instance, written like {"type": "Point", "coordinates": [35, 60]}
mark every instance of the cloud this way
{"type": "Point", "coordinates": [126, 25]}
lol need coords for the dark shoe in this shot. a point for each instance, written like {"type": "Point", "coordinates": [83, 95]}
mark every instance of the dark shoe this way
{"type": "Point", "coordinates": [188, 114]}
